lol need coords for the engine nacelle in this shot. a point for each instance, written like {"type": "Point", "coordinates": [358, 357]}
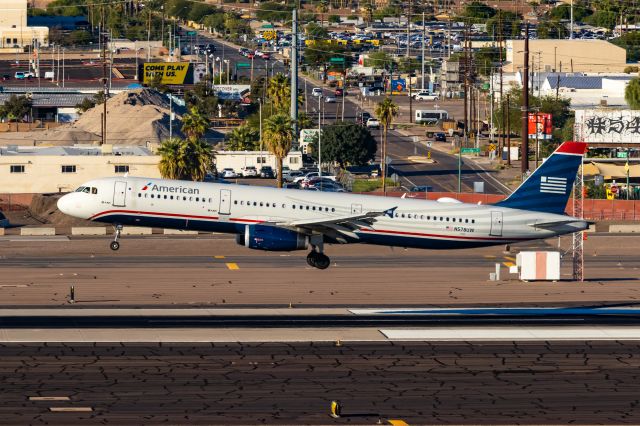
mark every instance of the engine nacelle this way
{"type": "Point", "coordinates": [271, 238]}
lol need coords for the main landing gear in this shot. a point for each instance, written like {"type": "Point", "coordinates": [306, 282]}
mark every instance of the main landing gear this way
{"type": "Point", "coordinates": [318, 259]}
{"type": "Point", "coordinates": [115, 245]}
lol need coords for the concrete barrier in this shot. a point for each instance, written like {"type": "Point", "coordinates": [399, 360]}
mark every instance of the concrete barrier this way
{"type": "Point", "coordinates": [88, 230]}
{"type": "Point", "coordinates": [1, 231]}
{"type": "Point", "coordinates": [179, 232]}
{"type": "Point", "coordinates": [620, 228]}
{"type": "Point", "coordinates": [136, 230]}
{"type": "Point", "coordinates": [27, 231]}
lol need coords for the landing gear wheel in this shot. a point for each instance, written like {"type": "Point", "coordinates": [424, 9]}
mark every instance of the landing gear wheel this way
{"type": "Point", "coordinates": [311, 259]}
{"type": "Point", "coordinates": [114, 245]}
{"type": "Point", "coordinates": [322, 261]}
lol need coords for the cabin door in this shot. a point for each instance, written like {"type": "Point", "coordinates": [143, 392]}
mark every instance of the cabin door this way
{"type": "Point", "coordinates": [120, 194]}
{"type": "Point", "coordinates": [496, 224]}
{"type": "Point", "coordinates": [225, 202]}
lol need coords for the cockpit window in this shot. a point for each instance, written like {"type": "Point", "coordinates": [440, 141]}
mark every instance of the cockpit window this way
{"type": "Point", "coordinates": [94, 190]}
{"type": "Point", "coordinates": [80, 189]}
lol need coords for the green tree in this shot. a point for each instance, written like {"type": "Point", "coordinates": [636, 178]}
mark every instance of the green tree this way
{"type": "Point", "coordinates": [279, 92]}
{"type": "Point", "coordinates": [272, 11]}
{"type": "Point", "coordinates": [552, 29]}
{"type": "Point", "coordinates": [380, 60]}
{"type": "Point", "coordinates": [88, 103]}
{"type": "Point", "coordinates": [194, 124]}
{"type": "Point", "coordinates": [242, 138]}
{"type": "Point", "coordinates": [304, 121]}
{"type": "Point", "coordinates": [202, 97]}
{"type": "Point", "coordinates": [170, 163]}
{"type": "Point", "coordinates": [346, 144]}
{"type": "Point", "coordinates": [278, 136]}
{"type": "Point", "coordinates": [632, 93]}
{"type": "Point", "coordinates": [16, 108]}
{"type": "Point", "coordinates": [185, 159]}
{"type": "Point", "coordinates": [629, 41]}
{"type": "Point", "coordinates": [386, 111]}
{"type": "Point", "coordinates": [477, 12]}
{"type": "Point", "coordinates": [504, 23]}
{"type": "Point", "coordinates": [563, 11]}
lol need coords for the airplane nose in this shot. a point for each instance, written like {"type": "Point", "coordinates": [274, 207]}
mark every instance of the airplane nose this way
{"type": "Point", "coordinates": [64, 204]}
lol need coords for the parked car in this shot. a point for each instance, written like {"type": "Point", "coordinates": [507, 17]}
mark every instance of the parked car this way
{"type": "Point", "coordinates": [290, 177]}
{"type": "Point", "coordinates": [440, 137]}
{"type": "Point", "coordinates": [362, 117]}
{"type": "Point", "coordinates": [316, 92]}
{"type": "Point", "coordinates": [4, 222]}
{"type": "Point", "coordinates": [249, 171]}
{"type": "Point", "coordinates": [266, 172]}
{"type": "Point", "coordinates": [422, 188]}
{"type": "Point", "coordinates": [330, 99]}
{"type": "Point", "coordinates": [373, 123]}
{"type": "Point", "coordinates": [228, 173]}
{"type": "Point", "coordinates": [6, 77]}
{"type": "Point", "coordinates": [425, 96]}
{"type": "Point", "coordinates": [339, 92]}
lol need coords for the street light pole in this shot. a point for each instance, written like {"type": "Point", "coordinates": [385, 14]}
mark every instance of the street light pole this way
{"type": "Point", "coordinates": [319, 139]}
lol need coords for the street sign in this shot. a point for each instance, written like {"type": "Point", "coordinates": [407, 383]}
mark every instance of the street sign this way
{"type": "Point", "coordinates": [192, 33]}
{"type": "Point", "coordinates": [621, 154]}
{"type": "Point", "coordinates": [470, 151]}
{"type": "Point", "coordinates": [243, 65]}
{"type": "Point", "coordinates": [336, 59]}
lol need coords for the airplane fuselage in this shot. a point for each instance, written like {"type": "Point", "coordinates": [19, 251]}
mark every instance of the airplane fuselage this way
{"type": "Point", "coordinates": [229, 208]}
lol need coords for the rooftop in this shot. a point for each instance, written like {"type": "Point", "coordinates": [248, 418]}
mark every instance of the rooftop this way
{"type": "Point", "coordinates": [74, 150]}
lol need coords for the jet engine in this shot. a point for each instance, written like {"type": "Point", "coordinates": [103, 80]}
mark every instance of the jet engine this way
{"type": "Point", "coordinates": [271, 238]}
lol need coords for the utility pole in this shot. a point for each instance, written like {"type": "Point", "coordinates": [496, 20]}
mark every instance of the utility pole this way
{"type": "Point", "coordinates": [294, 76]}
{"type": "Point", "coordinates": [105, 81]}
{"type": "Point", "coordinates": [466, 80]}
{"type": "Point", "coordinates": [508, 110]}
{"type": "Point", "coordinates": [424, 35]}
{"type": "Point", "coordinates": [408, 30]}
{"type": "Point", "coordinates": [501, 78]}
{"type": "Point", "coordinates": [571, 26]}
{"type": "Point", "coordinates": [525, 105]}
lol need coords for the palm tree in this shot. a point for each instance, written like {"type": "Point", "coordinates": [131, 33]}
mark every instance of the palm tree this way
{"type": "Point", "coordinates": [304, 121]}
{"type": "Point", "coordinates": [386, 112]}
{"type": "Point", "coordinates": [278, 135]}
{"type": "Point", "coordinates": [242, 138]}
{"type": "Point", "coordinates": [279, 91]}
{"type": "Point", "coordinates": [194, 124]}
{"type": "Point", "coordinates": [632, 93]}
{"type": "Point", "coordinates": [198, 158]}
{"type": "Point", "coordinates": [170, 167]}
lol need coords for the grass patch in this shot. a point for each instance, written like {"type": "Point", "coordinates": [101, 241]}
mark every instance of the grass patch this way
{"type": "Point", "coordinates": [369, 185]}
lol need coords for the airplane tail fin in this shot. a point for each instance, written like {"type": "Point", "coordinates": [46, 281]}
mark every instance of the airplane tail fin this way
{"type": "Point", "coordinates": [548, 188]}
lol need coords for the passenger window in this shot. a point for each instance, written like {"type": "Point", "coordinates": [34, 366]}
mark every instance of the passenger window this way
{"type": "Point", "coordinates": [242, 203]}
{"type": "Point", "coordinates": [447, 219]}
{"type": "Point", "coordinates": [314, 208]}
{"type": "Point", "coordinates": [293, 206]}
{"type": "Point", "coordinates": [198, 199]}
{"type": "Point", "coordinates": [284, 206]}
{"type": "Point", "coordinates": [94, 190]}
{"type": "Point", "coordinates": [184, 198]}
{"type": "Point", "coordinates": [190, 198]}
{"type": "Point", "coordinates": [151, 195]}
{"type": "Point", "coordinates": [165, 197]}
{"type": "Point", "coordinates": [261, 204]}
{"type": "Point", "coordinates": [333, 209]}
{"type": "Point", "coordinates": [171, 197]}
{"type": "Point", "coordinates": [209, 199]}
{"type": "Point", "coordinates": [145, 195]}
{"type": "Point", "coordinates": [473, 221]}
{"type": "Point", "coordinates": [307, 207]}
{"type": "Point", "coordinates": [409, 215]}
{"type": "Point", "coordinates": [235, 202]}
{"type": "Point", "coordinates": [139, 195]}
{"type": "Point", "coordinates": [441, 218]}
{"type": "Point", "coordinates": [421, 217]}
{"type": "Point", "coordinates": [402, 215]}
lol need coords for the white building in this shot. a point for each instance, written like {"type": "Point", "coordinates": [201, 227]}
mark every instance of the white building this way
{"type": "Point", "coordinates": [14, 32]}
{"type": "Point", "coordinates": [236, 160]}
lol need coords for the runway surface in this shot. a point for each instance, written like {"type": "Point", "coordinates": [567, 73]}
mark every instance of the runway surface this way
{"type": "Point", "coordinates": [214, 271]}
{"type": "Point", "coordinates": [444, 383]}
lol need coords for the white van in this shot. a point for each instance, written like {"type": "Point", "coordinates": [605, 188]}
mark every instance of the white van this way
{"type": "Point", "coordinates": [430, 116]}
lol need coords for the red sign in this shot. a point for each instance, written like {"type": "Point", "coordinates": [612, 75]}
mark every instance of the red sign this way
{"type": "Point", "coordinates": [540, 125]}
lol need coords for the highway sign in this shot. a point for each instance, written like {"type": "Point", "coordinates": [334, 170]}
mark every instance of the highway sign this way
{"type": "Point", "coordinates": [621, 154]}
{"type": "Point", "coordinates": [192, 33]}
{"type": "Point", "coordinates": [470, 151]}
{"type": "Point", "coordinates": [336, 59]}
{"type": "Point", "coordinates": [243, 65]}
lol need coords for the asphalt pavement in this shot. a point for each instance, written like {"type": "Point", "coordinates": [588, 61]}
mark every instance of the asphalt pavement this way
{"type": "Point", "coordinates": [272, 383]}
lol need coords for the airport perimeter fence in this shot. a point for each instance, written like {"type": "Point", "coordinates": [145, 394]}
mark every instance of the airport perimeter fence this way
{"type": "Point", "coordinates": [592, 209]}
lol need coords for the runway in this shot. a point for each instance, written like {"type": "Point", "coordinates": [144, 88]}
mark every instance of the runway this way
{"type": "Point", "coordinates": [443, 383]}
{"type": "Point", "coordinates": [213, 271]}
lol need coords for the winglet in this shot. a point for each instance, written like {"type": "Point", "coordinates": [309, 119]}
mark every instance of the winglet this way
{"type": "Point", "coordinates": [390, 212]}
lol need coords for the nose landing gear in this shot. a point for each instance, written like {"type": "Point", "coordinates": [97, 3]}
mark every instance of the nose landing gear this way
{"type": "Point", "coordinates": [115, 245]}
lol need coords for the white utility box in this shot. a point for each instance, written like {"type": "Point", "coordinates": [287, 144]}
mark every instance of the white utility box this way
{"type": "Point", "coordinates": [539, 265]}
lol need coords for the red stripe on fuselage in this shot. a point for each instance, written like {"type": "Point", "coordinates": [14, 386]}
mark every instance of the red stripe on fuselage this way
{"type": "Point", "coordinates": [182, 216]}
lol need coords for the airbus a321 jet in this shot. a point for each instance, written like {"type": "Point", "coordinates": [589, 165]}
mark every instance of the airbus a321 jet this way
{"type": "Point", "coordinates": [288, 219]}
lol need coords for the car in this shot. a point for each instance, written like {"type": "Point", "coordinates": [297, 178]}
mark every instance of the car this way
{"type": "Point", "coordinates": [19, 75]}
{"type": "Point", "coordinates": [373, 123]}
{"type": "Point", "coordinates": [228, 173]}
{"type": "Point", "coordinates": [4, 222]}
{"type": "Point", "coordinates": [425, 96]}
{"type": "Point", "coordinates": [362, 117]}
{"type": "Point", "coordinates": [316, 92]}
{"type": "Point", "coordinates": [266, 56]}
{"type": "Point", "coordinates": [330, 99]}
{"type": "Point", "coordinates": [290, 177]}
{"type": "Point", "coordinates": [339, 92]}
{"type": "Point", "coordinates": [440, 137]}
{"type": "Point", "coordinates": [249, 171]}
{"type": "Point", "coordinates": [6, 77]}
{"type": "Point", "coordinates": [422, 188]}
{"type": "Point", "coordinates": [266, 172]}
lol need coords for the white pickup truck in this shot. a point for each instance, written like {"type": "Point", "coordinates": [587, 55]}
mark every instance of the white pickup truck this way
{"type": "Point", "coordinates": [425, 96]}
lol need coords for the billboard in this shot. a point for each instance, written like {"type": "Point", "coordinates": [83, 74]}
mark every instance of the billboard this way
{"type": "Point", "coordinates": [232, 92]}
{"type": "Point", "coordinates": [608, 127]}
{"type": "Point", "coordinates": [398, 85]}
{"type": "Point", "coordinates": [307, 136]}
{"type": "Point", "coordinates": [173, 72]}
{"type": "Point", "coordinates": [540, 125]}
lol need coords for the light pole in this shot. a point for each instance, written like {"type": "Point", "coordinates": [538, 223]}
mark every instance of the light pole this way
{"type": "Point", "coordinates": [226, 61]}
{"type": "Point", "coordinates": [319, 138]}
{"type": "Point", "coordinates": [260, 114]}
{"type": "Point", "coordinates": [135, 47]}
{"type": "Point", "coordinates": [214, 70]}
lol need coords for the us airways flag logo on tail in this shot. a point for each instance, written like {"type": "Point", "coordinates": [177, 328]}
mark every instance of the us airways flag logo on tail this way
{"type": "Point", "coordinates": [553, 185]}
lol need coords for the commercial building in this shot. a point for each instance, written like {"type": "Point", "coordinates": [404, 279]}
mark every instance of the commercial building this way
{"type": "Point", "coordinates": [14, 31]}
{"type": "Point", "coordinates": [577, 55]}
{"type": "Point", "coordinates": [37, 170]}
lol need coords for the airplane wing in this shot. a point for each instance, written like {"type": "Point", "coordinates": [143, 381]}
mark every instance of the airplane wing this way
{"type": "Point", "coordinates": [338, 227]}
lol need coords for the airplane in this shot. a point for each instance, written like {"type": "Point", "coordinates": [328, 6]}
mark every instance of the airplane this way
{"type": "Point", "coordinates": [274, 219]}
